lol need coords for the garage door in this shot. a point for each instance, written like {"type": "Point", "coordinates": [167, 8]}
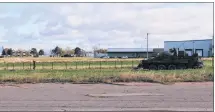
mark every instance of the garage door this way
{"type": "Point", "coordinates": [199, 52]}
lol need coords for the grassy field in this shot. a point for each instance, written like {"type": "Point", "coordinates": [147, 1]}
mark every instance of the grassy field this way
{"type": "Point", "coordinates": [65, 59]}
{"type": "Point", "coordinates": [68, 63]}
{"type": "Point", "coordinates": [71, 65]}
{"type": "Point", "coordinates": [59, 59]}
{"type": "Point", "coordinates": [96, 75]}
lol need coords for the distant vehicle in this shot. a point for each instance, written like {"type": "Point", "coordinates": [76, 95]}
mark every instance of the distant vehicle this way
{"type": "Point", "coordinates": [104, 57]}
{"type": "Point", "coordinates": [171, 61]}
{"type": "Point", "coordinates": [67, 55]}
{"type": "Point", "coordinates": [124, 57]}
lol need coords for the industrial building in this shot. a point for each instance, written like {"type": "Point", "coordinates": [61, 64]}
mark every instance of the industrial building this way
{"type": "Point", "coordinates": [203, 47]}
{"type": "Point", "coordinates": [1, 49]}
{"type": "Point", "coordinates": [132, 52]}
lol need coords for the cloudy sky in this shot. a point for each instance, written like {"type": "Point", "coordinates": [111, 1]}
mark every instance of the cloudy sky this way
{"type": "Point", "coordinates": [118, 25]}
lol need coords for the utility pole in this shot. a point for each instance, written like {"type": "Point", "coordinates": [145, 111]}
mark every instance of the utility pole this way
{"type": "Point", "coordinates": [212, 51]}
{"type": "Point", "coordinates": [147, 45]}
{"type": "Point", "coordinates": [193, 47]}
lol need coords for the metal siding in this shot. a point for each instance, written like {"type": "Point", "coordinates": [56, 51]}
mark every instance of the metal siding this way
{"type": "Point", "coordinates": [198, 44]}
{"type": "Point", "coordinates": [115, 54]}
{"type": "Point", "coordinates": [129, 50]}
{"type": "Point", "coordinates": [129, 54]}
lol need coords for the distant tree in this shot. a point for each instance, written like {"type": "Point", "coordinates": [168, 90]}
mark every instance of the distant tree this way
{"type": "Point", "coordinates": [10, 52]}
{"type": "Point", "coordinates": [52, 52]}
{"type": "Point", "coordinates": [57, 51]}
{"type": "Point", "coordinates": [41, 52]}
{"type": "Point", "coordinates": [34, 51]}
{"type": "Point", "coordinates": [3, 52]}
{"type": "Point", "coordinates": [77, 51]}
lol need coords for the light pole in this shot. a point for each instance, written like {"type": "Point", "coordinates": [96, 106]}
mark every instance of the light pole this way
{"type": "Point", "coordinates": [193, 47]}
{"type": "Point", "coordinates": [212, 51]}
{"type": "Point", "coordinates": [147, 45]}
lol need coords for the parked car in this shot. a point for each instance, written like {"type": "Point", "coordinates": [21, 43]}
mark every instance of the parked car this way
{"type": "Point", "coordinates": [104, 57]}
{"type": "Point", "coordinates": [124, 57]}
{"type": "Point", "coordinates": [67, 55]}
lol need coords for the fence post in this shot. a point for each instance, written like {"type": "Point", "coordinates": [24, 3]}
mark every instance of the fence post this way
{"type": "Point", "coordinates": [34, 65]}
{"type": "Point", "coordinates": [100, 65]}
{"type": "Point", "coordinates": [76, 65]}
{"type": "Point", "coordinates": [52, 65]}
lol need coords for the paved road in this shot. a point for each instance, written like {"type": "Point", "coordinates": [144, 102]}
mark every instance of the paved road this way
{"type": "Point", "coordinates": [131, 96]}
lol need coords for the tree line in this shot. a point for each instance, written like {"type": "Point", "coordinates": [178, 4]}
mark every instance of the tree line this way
{"type": "Point", "coordinates": [56, 52]}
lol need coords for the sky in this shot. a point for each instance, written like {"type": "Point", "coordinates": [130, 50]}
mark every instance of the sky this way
{"type": "Point", "coordinates": [104, 25]}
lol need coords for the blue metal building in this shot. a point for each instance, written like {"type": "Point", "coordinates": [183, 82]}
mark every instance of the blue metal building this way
{"type": "Point", "coordinates": [204, 47]}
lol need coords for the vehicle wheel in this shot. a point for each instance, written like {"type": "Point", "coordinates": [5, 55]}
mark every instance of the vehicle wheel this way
{"type": "Point", "coordinates": [171, 67]}
{"type": "Point", "coordinates": [182, 66]}
{"type": "Point", "coordinates": [195, 67]}
{"type": "Point", "coordinates": [152, 67]}
{"type": "Point", "coordinates": [161, 67]}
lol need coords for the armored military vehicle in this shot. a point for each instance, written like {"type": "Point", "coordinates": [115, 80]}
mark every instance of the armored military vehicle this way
{"type": "Point", "coordinates": [171, 60]}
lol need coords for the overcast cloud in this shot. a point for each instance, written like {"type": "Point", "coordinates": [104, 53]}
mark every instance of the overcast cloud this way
{"type": "Point", "coordinates": [120, 25]}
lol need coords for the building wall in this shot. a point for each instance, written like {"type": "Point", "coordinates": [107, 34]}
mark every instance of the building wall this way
{"type": "Point", "coordinates": [205, 45]}
{"type": "Point", "coordinates": [158, 50]}
{"type": "Point", "coordinates": [98, 55]}
{"type": "Point", "coordinates": [129, 54]}
{"type": "Point", "coordinates": [120, 54]}
{"type": "Point", "coordinates": [213, 47]}
{"type": "Point", "coordinates": [1, 49]}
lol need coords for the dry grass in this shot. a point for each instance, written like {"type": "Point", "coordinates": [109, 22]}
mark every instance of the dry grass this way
{"type": "Point", "coordinates": [108, 75]}
{"type": "Point", "coordinates": [64, 59]}
{"type": "Point", "coordinates": [59, 59]}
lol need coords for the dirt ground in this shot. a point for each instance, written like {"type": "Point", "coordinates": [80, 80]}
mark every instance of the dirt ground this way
{"type": "Point", "coordinates": [96, 97]}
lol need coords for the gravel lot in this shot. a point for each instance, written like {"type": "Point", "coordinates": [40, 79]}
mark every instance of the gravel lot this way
{"type": "Point", "coordinates": [95, 97]}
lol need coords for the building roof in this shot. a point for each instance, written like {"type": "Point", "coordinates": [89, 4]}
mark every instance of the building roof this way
{"type": "Point", "coordinates": [190, 40]}
{"type": "Point", "coordinates": [129, 50]}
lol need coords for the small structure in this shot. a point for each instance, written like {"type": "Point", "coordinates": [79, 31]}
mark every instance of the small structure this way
{"type": "Point", "coordinates": [132, 52]}
{"type": "Point", "coordinates": [204, 47]}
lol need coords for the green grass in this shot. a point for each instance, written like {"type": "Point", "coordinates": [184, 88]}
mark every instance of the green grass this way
{"type": "Point", "coordinates": [71, 65]}
{"type": "Point", "coordinates": [107, 75]}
